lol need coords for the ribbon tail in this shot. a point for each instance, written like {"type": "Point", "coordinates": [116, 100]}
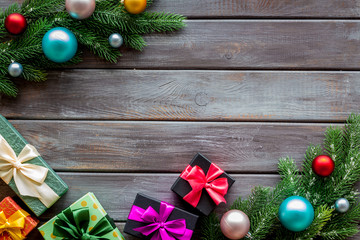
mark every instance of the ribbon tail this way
{"type": "Point", "coordinates": [15, 234]}
{"type": "Point", "coordinates": [186, 236]}
{"type": "Point", "coordinates": [30, 188]}
{"type": "Point", "coordinates": [164, 235]}
{"type": "Point", "coordinates": [215, 196]}
{"type": "Point", "coordinates": [193, 197]}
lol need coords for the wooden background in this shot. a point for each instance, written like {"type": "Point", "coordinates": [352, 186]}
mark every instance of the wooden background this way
{"type": "Point", "coordinates": [247, 82]}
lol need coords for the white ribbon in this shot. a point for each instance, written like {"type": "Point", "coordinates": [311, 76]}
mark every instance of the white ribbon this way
{"type": "Point", "coordinates": [29, 178]}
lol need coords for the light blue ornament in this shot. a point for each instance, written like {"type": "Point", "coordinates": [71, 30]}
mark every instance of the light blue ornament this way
{"type": "Point", "coordinates": [296, 213]}
{"type": "Point", "coordinates": [15, 69]}
{"type": "Point", "coordinates": [59, 45]}
{"type": "Point", "coordinates": [342, 205]}
{"type": "Point", "coordinates": [116, 40]}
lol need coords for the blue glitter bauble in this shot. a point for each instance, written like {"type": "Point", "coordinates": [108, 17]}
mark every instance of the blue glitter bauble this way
{"type": "Point", "coordinates": [296, 213]}
{"type": "Point", "coordinates": [59, 45]}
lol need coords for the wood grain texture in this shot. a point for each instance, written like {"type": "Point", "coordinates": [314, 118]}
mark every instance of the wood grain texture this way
{"type": "Point", "coordinates": [167, 146]}
{"type": "Point", "coordinates": [254, 8]}
{"type": "Point", "coordinates": [188, 95]}
{"type": "Point", "coordinates": [116, 191]}
{"type": "Point", "coordinates": [247, 44]}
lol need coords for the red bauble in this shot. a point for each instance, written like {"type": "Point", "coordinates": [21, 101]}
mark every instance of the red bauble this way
{"type": "Point", "coordinates": [323, 165]}
{"type": "Point", "coordinates": [15, 23]}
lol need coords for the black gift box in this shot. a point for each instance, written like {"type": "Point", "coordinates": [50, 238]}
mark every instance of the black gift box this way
{"type": "Point", "coordinates": [144, 202]}
{"type": "Point", "coordinates": [206, 204]}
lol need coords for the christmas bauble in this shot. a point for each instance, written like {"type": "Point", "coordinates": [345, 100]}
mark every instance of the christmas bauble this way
{"type": "Point", "coordinates": [135, 6]}
{"type": "Point", "coordinates": [80, 9]}
{"type": "Point", "coordinates": [15, 23]}
{"type": "Point", "coordinates": [15, 69]}
{"type": "Point", "coordinates": [116, 40]}
{"type": "Point", "coordinates": [59, 44]}
{"type": "Point", "coordinates": [342, 205]}
{"type": "Point", "coordinates": [235, 224]}
{"type": "Point", "coordinates": [323, 165]}
{"type": "Point", "coordinates": [296, 213]}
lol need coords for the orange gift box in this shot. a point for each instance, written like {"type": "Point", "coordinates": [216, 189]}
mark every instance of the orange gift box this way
{"type": "Point", "coordinates": [9, 207]}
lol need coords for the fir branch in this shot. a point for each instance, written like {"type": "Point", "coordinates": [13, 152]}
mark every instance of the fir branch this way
{"type": "Point", "coordinates": [162, 22]}
{"type": "Point", "coordinates": [35, 9]}
{"type": "Point", "coordinates": [211, 228]}
{"type": "Point", "coordinates": [32, 73]}
{"type": "Point", "coordinates": [7, 86]}
{"type": "Point", "coordinates": [134, 41]}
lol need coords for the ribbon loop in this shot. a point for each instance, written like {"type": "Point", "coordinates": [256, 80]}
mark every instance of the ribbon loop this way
{"type": "Point", "coordinates": [74, 225]}
{"type": "Point", "coordinates": [29, 178]}
{"type": "Point", "coordinates": [14, 224]}
{"type": "Point", "coordinates": [215, 187]}
{"type": "Point", "coordinates": [158, 224]}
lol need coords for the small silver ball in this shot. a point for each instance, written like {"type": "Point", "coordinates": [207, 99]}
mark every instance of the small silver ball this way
{"type": "Point", "coordinates": [342, 205]}
{"type": "Point", "coordinates": [80, 9]}
{"type": "Point", "coordinates": [15, 69]}
{"type": "Point", "coordinates": [116, 40]}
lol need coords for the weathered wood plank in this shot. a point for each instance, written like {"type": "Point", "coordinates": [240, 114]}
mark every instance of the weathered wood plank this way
{"type": "Point", "coordinates": [188, 95]}
{"type": "Point", "coordinates": [248, 44]}
{"type": "Point", "coordinates": [135, 146]}
{"type": "Point", "coordinates": [254, 8]}
{"type": "Point", "coordinates": [116, 192]}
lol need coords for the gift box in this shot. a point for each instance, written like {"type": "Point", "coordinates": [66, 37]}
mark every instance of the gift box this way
{"type": "Point", "coordinates": [152, 219]}
{"type": "Point", "coordinates": [203, 184]}
{"type": "Point", "coordinates": [84, 219]}
{"type": "Point", "coordinates": [34, 182]}
{"type": "Point", "coordinates": [21, 223]}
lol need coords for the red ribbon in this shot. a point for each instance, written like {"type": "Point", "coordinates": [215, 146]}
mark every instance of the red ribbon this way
{"type": "Point", "coordinates": [215, 187]}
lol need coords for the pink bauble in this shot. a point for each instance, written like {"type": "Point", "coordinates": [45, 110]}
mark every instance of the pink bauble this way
{"type": "Point", "coordinates": [80, 9]}
{"type": "Point", "coordinates": [235, 224]}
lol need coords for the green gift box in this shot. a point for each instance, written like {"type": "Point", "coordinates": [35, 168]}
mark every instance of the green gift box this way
{"type": "Point", "coordinates": [84, 219]}
{"type": "Point", "coordinates": [26, 172]}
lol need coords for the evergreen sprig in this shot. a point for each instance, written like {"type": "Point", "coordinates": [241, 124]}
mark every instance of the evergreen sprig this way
{"type": "Point", "coordinates": [262, 206]}
{"type": "Point", "coordinates": [109, 17]}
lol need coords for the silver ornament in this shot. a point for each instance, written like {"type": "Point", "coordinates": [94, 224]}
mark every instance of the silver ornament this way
{"type": "Point", "coordinates": [15, 69]}
{"type": "Point", "coordinates": [342, 205]}
{"type": "Point", "coordinates": [116, 40]}
{"type": "Point", "coordinates": [80, 9]}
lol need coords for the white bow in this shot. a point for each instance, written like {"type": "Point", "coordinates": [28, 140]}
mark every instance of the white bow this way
{"type": "Point", "coordinates": [29, 178]}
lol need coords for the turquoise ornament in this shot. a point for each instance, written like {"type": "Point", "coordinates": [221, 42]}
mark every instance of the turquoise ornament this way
{"type": "Point", "coordinates": [296, 213]}
{"type": "Point", "coordinates": [59, 45]}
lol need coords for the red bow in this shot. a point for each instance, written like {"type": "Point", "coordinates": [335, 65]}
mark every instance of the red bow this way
{"type": "Point", "coordinates": [216, 188]}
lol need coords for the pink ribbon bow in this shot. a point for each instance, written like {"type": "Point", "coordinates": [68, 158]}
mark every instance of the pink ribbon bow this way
{"type": "Point", "coordinates": [158, 224]}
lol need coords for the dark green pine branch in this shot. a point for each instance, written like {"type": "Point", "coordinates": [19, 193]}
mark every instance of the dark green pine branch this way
{"type": "Point", "coordinates": [7, 86]}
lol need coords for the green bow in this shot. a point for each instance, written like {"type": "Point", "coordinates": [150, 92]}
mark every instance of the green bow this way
{"type": "Point", "coordinates": [74, 224]}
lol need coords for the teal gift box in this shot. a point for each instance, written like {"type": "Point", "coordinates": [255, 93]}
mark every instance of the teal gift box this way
{"type": "Point", "coordinates": [84, 219]}
{"type": "Point", "coordinates": [26, 172]}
